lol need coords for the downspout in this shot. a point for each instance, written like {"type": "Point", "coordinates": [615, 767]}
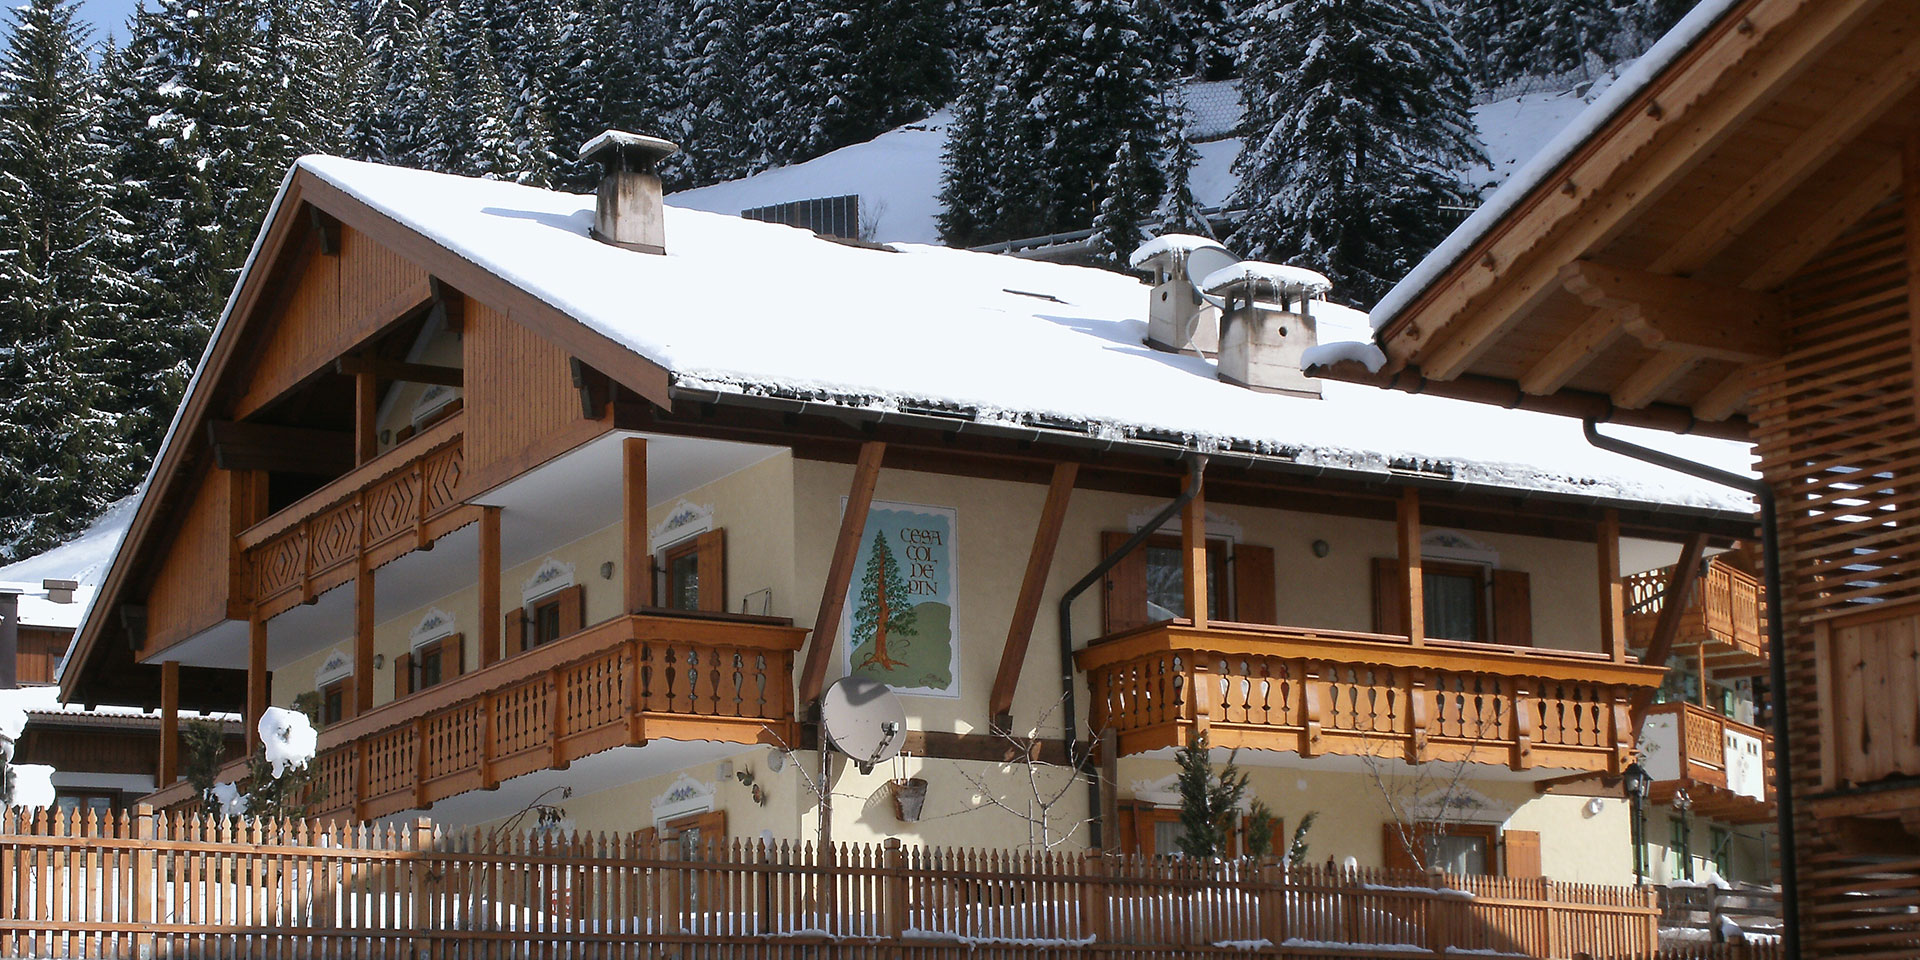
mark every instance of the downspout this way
{"type": "Point", "coordinates": [1776, 655]}
{"type": "Point", "coordinates": [1196, 469]}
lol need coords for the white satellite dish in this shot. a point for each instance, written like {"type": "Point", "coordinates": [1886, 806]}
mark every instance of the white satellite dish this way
{"type": "Point", "coordinates": [864, 720]}
{"type": "Point", "coordinates": [1202, 261]}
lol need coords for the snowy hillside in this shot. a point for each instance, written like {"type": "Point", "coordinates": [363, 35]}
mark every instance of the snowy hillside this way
{"type": "Point", "coordinates": [897, 174]}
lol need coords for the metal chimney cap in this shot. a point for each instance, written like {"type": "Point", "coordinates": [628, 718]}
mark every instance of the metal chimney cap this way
{"type": "Point", "coordinates": [51, 584]}
{"type": "Point", "coordinates": [618, 149]}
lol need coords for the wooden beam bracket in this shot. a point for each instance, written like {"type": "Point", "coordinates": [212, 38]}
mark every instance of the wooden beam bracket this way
{"type": "Point", "coordinates": [1026, 608]}
{"type": "Point", "coordinates": [833, 596]}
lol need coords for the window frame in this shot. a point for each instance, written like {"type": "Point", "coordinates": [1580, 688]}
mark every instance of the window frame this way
{"type": "Point", "coordinates": [1482, 577]}
{"type": "Point", "coordinates": [537, 613]}
{"type": "Point", "coordinates": [685, 549]}
{"type": "Point", "coordinates": [336, 701]}
{"type": "Point", "coordinates": [1220, 594]}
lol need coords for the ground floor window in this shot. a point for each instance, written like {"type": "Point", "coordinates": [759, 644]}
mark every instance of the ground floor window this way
{"type": "Point", "coordinates": [1722, 851]}
{"type": "Point", "coordinates": [99, 803]}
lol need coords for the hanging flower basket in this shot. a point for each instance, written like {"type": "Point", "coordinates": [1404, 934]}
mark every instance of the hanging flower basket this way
{"type": "Point", "coordinates": [909, 795]}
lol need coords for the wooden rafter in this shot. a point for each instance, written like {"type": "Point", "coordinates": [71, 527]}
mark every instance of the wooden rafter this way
{"type": "Point", "coordinates": [1811, 236]}
{"type": "Point", "coordinates": [241, 446]}
{"type": "Point", "coordinates": [833, 597]}
{"type": "Point", "coordinates": [399, 370]}
{"type": "Point", "coordinates": [1026, 608]}
{"type": "Point", "coordinates": [1652, 378]}
{"type": "Point", "coordinates": [1669, 313]}
{"type": "Point", "coordinates": [1572, 353]}
{"type": "Point", "coordinates": [1728, 395]}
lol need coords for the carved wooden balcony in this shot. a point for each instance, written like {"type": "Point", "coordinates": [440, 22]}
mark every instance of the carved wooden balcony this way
{"type": "Point", "coordinates": [1725, 618]}
{"type": "Point", "coordinates": [1315, 692]}
{"type": "Point", "coordinates": [1723, 765]}
{"type": "Point", "coordinates": [400, 501]}
{"type": "Point", "coordinates": [618, 683]}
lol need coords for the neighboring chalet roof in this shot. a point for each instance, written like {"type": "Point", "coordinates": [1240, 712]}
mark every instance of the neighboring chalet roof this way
{"type": "Point", "coordinates": [1635, 271]}
{"type": "Point", "coordinates": [741, 309]}
{"type": "Point", "coordinates": [83, 559]}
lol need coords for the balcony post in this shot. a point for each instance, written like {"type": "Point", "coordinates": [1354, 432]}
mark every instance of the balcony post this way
{"type": "Point", "coordinates": [1421, 693]}
{"type": "Point", "coordinates": [1613, 605]}
{"type": "Point", "coordinates": [256, 678]}
{"type": "Point", "coordinates": [636, 560]}
{"type": "Point", "coordinates": [170, 724]}
{"type": "Point", "coordinates": [363, 638]}
{"type": "Point", "coordinates": [489, 634]}
{"type": "Point", "coordinates": [1523, 694]}
{"type": "Point", "coordinates": [1413, 605]}
{"type": "Point", "coordinates": [1193, 553]}
{"type": "Point", "coordinates": [1313, 706]}
{"type": "Point", "coordinates": [366, 411]}
{"type": "Point", "coordinates": [1200, 694]}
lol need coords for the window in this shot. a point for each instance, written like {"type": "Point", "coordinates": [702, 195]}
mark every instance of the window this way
{"type": "Point", "coordinates": [1679, 849]}
{"type": "Point", "coordinates": [1455, 595]}
{"type": "Point", "coordinates": [333, 702]}
{"type": "Point", "coordinates": [1462, 848]}
{"type": "Point", "coordinates": [558, 614]}
{"type": "Point", "coordinates": [1722, 840]}
{"type": "Point", "coordinates": [1166, 579]}
{"type": "Point", "coordinates": [68, 804]}
{"type": "Point", "coordinates": [1462, 853]}
{"type": "Point", "coordinates": [546, 622]}
{"type": "Point", "coordinates": [1460, 601]}
{"type": "Point", "coordinates": [1147, 586]}
{"type": "Point", "coordinates": [694, 573]}
{"type": "Point", "coordinates": [683, 576]}
{"type": "Point", "coordinates": [437, 661]}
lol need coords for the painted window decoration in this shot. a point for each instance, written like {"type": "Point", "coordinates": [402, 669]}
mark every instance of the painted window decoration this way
{"type": "Point", "coordinates": [902, 628]}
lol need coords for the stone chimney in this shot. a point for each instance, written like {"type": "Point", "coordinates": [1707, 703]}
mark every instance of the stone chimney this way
{"type": "Point", "coordinates": [1266, 325]}
{"type": "Point", "coordinates": [1179, 320]}
{"type": "Point", "coordinates": [60, 591]}
{"type": "Point", "coordinates": [630, 210]}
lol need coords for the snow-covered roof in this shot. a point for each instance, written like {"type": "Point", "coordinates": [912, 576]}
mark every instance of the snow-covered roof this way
{"type": "Point", "coordinates": [83, 559]}
{"type": "Point", "coordinates": [1632, 80]}
{"type": "Point", "coordinates": [997, 338]}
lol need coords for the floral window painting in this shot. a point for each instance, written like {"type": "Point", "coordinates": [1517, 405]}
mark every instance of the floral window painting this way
{"type": "Point", "coordinates": [901, 629]}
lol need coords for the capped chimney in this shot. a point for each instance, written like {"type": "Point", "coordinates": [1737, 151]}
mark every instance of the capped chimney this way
{"type": "Point", "coordinates": [60, 591]}
{"type": "Point", "coordinates": [1179, 320]}
{"type": "Point", "coordinates": [629, 211]}
{"type": "Point", "coordinates": [1266, 324]}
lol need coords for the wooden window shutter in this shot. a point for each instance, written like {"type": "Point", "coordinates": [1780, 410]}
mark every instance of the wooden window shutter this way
{"type": "Point", "coordinates": [1512, 608]}
{"type": "Point", "coordinates": [1520, 852]}
{"type": "Point", "coordinates": [516, 630]}
{"type": "Point", "coordinates": [1394, 844]}
{"type": "Point", "coordinates": [710, 557]}
{"type": "Point", "coordinates": [1126, 586]}
{"type": "Point", "coordinates": [402, 675]}
{"type": "Point", "coordinates": [573, 609]}
{"type": "Point", "coordinates": [1386, 597]}
{"type": "Point", "coordinates": [453, 656]}
{"type": "Point", "coordinates": [1253, 591]}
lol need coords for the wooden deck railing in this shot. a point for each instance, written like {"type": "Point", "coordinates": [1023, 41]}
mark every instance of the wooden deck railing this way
{"type": "Point", "coordinates": [1724, 608]}
{"type": "Point", "coordinates": [1319, 692]}
{"type": "Point", "coordinates": [163, 886]}
{"type": "Point", "coordinates": [620, 682]}
{"type": "Point", "coordinates": [1700, 739]}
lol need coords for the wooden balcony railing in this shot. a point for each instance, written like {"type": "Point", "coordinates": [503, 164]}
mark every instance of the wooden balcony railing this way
{"type": "Point", "coordinates": [1731, 787]}
{"type": "Point", "coordinates": [1318, 692]}
{"type": "Point", "coordinates": [1724, 611]}
{"type": "Point", "coordinates": [398, 502]}
{"type": "Point", "coordinates": [620, 682]}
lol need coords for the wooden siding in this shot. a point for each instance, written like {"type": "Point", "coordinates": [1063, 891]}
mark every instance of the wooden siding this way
{"type": "Point", "coordinates": [190, 583]}
{"type": "Point", "coordinates": [332, 303]}
{"type": "Point", "coordinates": [520, 399]}
{"type": "Point", "coordinates": [192, 887]}
{"type": "Point", "coordinates": [40, 652]}
{"type": "Point", "coordinates": [72, 750]}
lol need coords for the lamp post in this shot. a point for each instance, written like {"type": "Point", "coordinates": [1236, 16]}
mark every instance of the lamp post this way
{"type": "Point", "coordinates": [1636, 782]}
{"type": "Point", "coordinates": [1683, 805]}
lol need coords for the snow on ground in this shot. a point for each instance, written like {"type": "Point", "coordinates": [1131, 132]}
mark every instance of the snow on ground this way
{"type": "Point", "coordinates": [1000, 339]}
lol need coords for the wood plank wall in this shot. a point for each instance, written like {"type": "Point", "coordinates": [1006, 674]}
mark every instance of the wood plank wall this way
{"type": "Point", "coordinates": [189, 589]}
{"type": "Point", "coordinates": [522, 408]}
{"type": "Point", "coordinates": [40, 654]}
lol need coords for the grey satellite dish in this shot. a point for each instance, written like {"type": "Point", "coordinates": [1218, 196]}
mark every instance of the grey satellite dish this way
{"type": "Point", "coordinates": [1202, 261]}
{"type": "Point", "coordinates": [864, 720]}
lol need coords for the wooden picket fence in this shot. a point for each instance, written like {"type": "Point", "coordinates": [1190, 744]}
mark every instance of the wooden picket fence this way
{"type": "Point", "coordinates": [145, 885]}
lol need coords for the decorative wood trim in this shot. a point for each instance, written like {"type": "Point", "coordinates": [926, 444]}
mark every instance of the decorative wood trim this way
{"type": "Point", "coordinates": [1026, 607]}
{"type": "Point", "coordinates": [833, 597]}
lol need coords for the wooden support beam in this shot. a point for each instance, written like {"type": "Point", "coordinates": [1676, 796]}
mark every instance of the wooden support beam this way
{"type": "Point", "coordinates": [1727, 397]}
{"type": "Point", "coordinates": [400, 370]}
{"type": "Point", "coordinates": [366, 417]}
{"type": "Point", "coordinates": [238, 445]}
{"type": "Point", "coordinates": [363, 639]}
{"type": "Point", "coordinates": [1674, 313]}
{"type": "Point", "coordinates": [1613, 594]}
{"type": "Point", "coordinates": [1910, 209]}
{"type": "Point", "coordinates": [1651, 379]}
{"type": "Point", "coordinates": [449, 305]}
{"type": "Point", "coordinates": [1193, 554]}
{"type": "Point", "coordinates": [1673, 607]}
{"type": "Point", "coordinates": [490, 613]}
{"type": "Point", "coordinates": [169, 724]}
{"type": "Point", "coordinates": [257, 678]}
{"type": "Point", "coordinates": [636, 560]}
{"type": "Point", "coordinates": [1026, 607]}
{"type": "Point", "coordinates": [1412, 598]}
{"type": "Point", "coordinates": [1571, 354]}
{"type": "Point", "coordinates": [833, 597]}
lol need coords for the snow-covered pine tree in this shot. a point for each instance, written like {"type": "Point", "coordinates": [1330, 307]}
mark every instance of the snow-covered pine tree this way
{"type": "Point", "coordinates": [193, 109]}
{"type": "Point", "coordinates": [711, 123]}
{"type": "Point", "coordinates": [1129, 193]}
{"type": "Point", "coordinates": [1653, 18]}
{"type": "Point", "coordinates": [1199, 37]}
{"type": "Point", "coordinates": [973, 161]}
{"type": "Point", "coordinates": [883, 63]}
{"type": "Point", "coordinates": [321, 42]}
{"type": "Point", "coordinates": [1358, 122]}
{"type": "Point", "coordinates": [1179, 212]}
{"type": "Point", "coordinates": [416, 123]}
{"type": "Point", "coordinates": [1208, 801]}
{"type": "Point", "coordinates": [1555, 36]}
{"type": "Point", "coordinates": [62, 289]}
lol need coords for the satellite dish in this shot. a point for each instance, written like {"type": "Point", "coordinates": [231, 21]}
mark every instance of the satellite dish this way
{"type": "Point", "coordinates": [864, 720]}
{"type": "Point", "coordinates": [1202, 261]}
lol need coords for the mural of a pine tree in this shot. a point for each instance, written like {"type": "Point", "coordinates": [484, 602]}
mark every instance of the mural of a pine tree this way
{"type": "Point", "coordinates": [884, 614]}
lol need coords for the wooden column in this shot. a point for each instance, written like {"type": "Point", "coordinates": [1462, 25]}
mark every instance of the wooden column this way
{"type": "Point", "coordinates": [1193, 554]}
{"type": "Point", "coordinates": [366, 416]}
{"type": "Point", "coordinates": [169, 724]}
{"type": "Point", "coordinates": [1613, 597]}
{"type": "Point", "coordinates": [363, 639]}
{"type": "Point", "coordinates": [1026, 608]}
{"type": "Point", "coordinates": [256, 678]}
{"type": "Point", "coordinates": [833, 597]}
{"type": "Point", "coordinates": [1413, 602]}
{"type": "Point", "coordinates": [1673, 606]}
{"type": "Point", "coordinates": [489, 632]}
{"type": "Point", "coordinates": [636, 562]}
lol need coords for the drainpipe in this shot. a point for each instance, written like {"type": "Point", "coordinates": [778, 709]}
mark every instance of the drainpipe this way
{"type": "Point", "coordinates": [1196, 469]}
{"type": "Point", "coordinates": [1776, 654]}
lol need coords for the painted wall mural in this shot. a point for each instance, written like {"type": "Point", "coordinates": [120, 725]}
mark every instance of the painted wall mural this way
{"type": "Point", "coordinates": [903, 626]}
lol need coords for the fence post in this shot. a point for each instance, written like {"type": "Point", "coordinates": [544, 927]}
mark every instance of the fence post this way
{"type": "Point", "coordinates": [419, 906]}
{"type": "Point", "coordinates": [1547, 893]}
{"type": "Point", "coordinates": [146, 880]}
{"type": "Point", "coordinates": [1439, 919]}
{"type": "Point", "coordinates": [1273, 904]}
{"type": "Point", "coordinates": [895, 861]}
{"type": "Point", "coordinates": [1093, 897]}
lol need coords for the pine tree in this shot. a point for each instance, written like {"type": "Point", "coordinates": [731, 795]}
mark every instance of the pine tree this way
{"type": "Point", "coordinates": [1129, 199]}
{"type": "Point", "coordinates": [62, 290]}
{"type": "Point", "coordinates": [1208, 801]}
{"type": "Point", "coordinates": [1653, 18]}
{"type": "Point", "coordinates": [1179, 212]}
{"type": "Point", "coordinates": [711, 121]}
{"type": "Point", "coordinates": [1555, 36]}
{"type": "Point", "coordinates": [883, 63]}
{"type": "Point", "coordinates": [1358, 122]}
{"type": "Point", "coordinates": [1199, 38]}
{"type": "Point", "coordinates": [885, 613]}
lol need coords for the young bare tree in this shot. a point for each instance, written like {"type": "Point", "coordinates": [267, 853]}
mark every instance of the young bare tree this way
{"type": "Point", "coordinates": [1041, 803]}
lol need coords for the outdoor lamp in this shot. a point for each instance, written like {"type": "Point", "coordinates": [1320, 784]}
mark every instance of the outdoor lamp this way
{"type": "Point", "coordinates": [1683, 805]}
{"type": "Point", "coordinates": [1636, 781]}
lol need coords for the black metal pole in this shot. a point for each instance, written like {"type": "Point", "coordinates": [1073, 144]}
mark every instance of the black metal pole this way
{"type": "Point", "coordinates": [1776, 656]}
